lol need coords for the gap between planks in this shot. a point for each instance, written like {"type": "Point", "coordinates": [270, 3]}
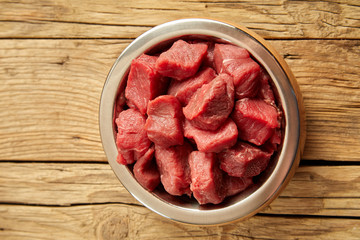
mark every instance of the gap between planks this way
{"type": "Point", "coordinates": [142, 206]}
{"type": "Point", "coordinates": [305, 163]}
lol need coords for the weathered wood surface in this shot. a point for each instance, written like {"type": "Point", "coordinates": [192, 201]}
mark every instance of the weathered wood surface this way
{"type": "Point", "coordinates": [50, 91]}
{"type": "Point", "coordinates": [316, 190]}
{"type": "Point", "coordinates": [117, 221]}
{"type": "Point", "coordinates": [128, 19]}
{"type": "Point", "coordinates": [54, 58]}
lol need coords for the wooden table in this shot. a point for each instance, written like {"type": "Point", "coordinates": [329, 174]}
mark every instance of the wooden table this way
{"type": "Point", "coordinates": [55, 182]}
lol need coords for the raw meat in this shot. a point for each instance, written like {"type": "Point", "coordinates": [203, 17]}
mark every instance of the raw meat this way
{"type": "Point", "coordinates": [125, 157]}
{"type": "Point", "coordinates": [265, 92]}
{"type": "Point", "coordinates": [255, 119]}
{"type": "Point", "coordinates": [225, 52]}
{"type": "Point", "coordinates": [131, 134]}
{"type": "Point", "coordinates": [231, 142]}
{"type": "Point", "coordinates": [182, 60]}
{"type": "Point", "coordinates": [174, 168]}
{"type": "Point", "coordinates": [245, 73]}
{"type": "Point", "coordinates": [206, 178]}
{"type": "Point", "coordinates": [164, 122]}
{"type": "Point", "coordinates": [244, 160]}
{"type": "Point", "coordinates": [212, 141]}
{"type": "Point", "coordinates": [144, 82]}
{"type": "Point", "coordinates": [146, 172]}
{"type": "Point", "coordinates": [211, 105]}
{"type": "Point", "coordinates": [184, 90]}
{"type": "Point", "coordinates": [234, 185]}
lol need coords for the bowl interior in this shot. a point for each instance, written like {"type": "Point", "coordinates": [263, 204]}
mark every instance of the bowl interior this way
{"type": "Point", "coordinates": [184, 201]}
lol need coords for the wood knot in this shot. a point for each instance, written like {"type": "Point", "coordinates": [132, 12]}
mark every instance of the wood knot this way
{"type": "Point", "coordinates": [114, 226]}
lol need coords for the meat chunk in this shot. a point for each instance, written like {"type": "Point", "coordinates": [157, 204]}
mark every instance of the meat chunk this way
{"type": "Point", "coordinates": [212, 141]}
{"type": "Point", "coordinates": [146, 172]}
{"type": "Point", "coordinates": [173, 165]}
{"type": "Point", "coordinates": [236, 61]}
{"type": "Point", "coordinates": [235, 185]}
{"type": "Point", "coordinates": [184, 90]}
{"type": "Point", "coordinates": [164, 122]}
{"type": "Point", "coordinates": [265, 92]}
{"type": "Point", "coordinates": [209, 58]}
{"type": "Point", "coordinates": [125, 157]}
{"type": "Point", "coordinates": [182, 60]}
{"type": "Point", "coordinates": [131, 135]}
{"type": "Point", "coordinates": [206, 178]}
{"type": "Point", "coordinates": [255, 119]}
{"type": "Point", "coordinates": [211, 105]}
{"type": "Point", "coordinates": [244, 160]}
{"type": "Point", "coordinates": [225, 52]}
{"type": "Point", "coordinates": [245, 73]}
{"type": "Point", "coordinates": [144, 82]}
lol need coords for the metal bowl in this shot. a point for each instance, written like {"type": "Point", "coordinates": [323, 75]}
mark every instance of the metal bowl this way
{"type": "Point", "coordinates": [281, 168]}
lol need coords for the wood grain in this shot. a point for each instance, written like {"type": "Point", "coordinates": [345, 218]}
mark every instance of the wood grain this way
{"type": "Point", "coordinates": [313, 190]}
{"type": "Point", "coordinates": [116, 221]}
{"type": "Point", "coordinates": [127, 19]}
{"type": "Point", "coordinates": [50, 91]}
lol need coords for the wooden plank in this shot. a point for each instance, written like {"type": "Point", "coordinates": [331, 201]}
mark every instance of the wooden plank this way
{"type": "Point", "coordinates": [116, 221]}
{"type": "Point", "coordinates": [109, 19]}
{"type": "Point", "coordinates": [312, 191]}
{"type": "Point", "coordinates": [330, 85]}
{"type": "Point", "coordinates": [50, 91]}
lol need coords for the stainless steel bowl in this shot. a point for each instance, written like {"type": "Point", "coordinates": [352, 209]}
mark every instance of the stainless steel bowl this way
{"type": "Point", "coordinates": [281, 168]}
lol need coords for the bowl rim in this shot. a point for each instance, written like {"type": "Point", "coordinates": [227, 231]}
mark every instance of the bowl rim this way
{"type": "Point", "coordinates": [289, 95]}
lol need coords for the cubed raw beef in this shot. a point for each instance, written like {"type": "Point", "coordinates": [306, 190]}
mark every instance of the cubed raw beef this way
{"type": "Point", "coordinates": [131, 132]}
{"type": "Point", "coordinates": [255, 119]}
{"type": "Point", "coordinates": [271, 145]}
{"type": "Point", "coordinates": [211, 105]}
{"type": "Point", "coordinates": [209, 58]}
{"type": "Point", "coordinates": [244, 160]}
{"type": "Point", "coordinates": [182, 60]}
{"type": "Point", "coordinates": [265, 92]}
{"type": "Point", "coordinates": [173, 165]}
{"type": "Point", "coordinates": [206, 178]}
{"type": "Point", "coordinates": [212, 141]}
{"type": "Point", "coordinates": [184, 90]}
{"type": "Point", "coordinates": [144, 82]}
{"type": "Point", "coordinates": [119, 104]}
{"type": "Point", "coordinates": [125, 157]}
{"type": "Point", "coordinates": [146, 172]}
{"type": "Point", "coordinates": [245, 73]}
{"type": "Point", "coordinates": [234, 185]}
{"type": "Point", "coordinates": [164, 122]}
{"type": "Point", "coordinates": [225, 52]}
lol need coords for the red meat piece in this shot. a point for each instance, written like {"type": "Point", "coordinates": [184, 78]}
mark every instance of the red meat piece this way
{"type": "Point", "coordinates": [265, 92]}
{"type": "Point", "coordinates": [125, 157]}
{"type": "Point", "coordinates": [244, 160]}
{"type": "Point", "coordinates": [209, 58]}
{"type": "Point", "coordinates": [164, 122]}
{"type": "Point", "coordinates": [144, 82]}
{"type": "Point", "coordinates": [206, 178]}
{"type": "Point", "coordinates": [174, 168]}
{"type": "Point", "coordinates": [120, 103]}
{"type": "Point", "coordinates": [245, 73]}
{"type": "Point", "coordinates": [272, 144]}
{"type": "Point", "coordinates": [235, 185]}
{"type": "Point", "coordinates": [184, 90]}
{"type": "Point", "coordinates": [182, 60]}
{"type": "Point", "coordinates": [131, 135]}
{"type": "Point", "coordinates": [213, 141]}
{"type": "Point", "coordinates": [225, 52]}
{"type": "Point", "coordinates": [255, 119]}
{"type": "Point", "coordinates": [146, 172]}
{"type": "Point", "coordinates": [211, 105]}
